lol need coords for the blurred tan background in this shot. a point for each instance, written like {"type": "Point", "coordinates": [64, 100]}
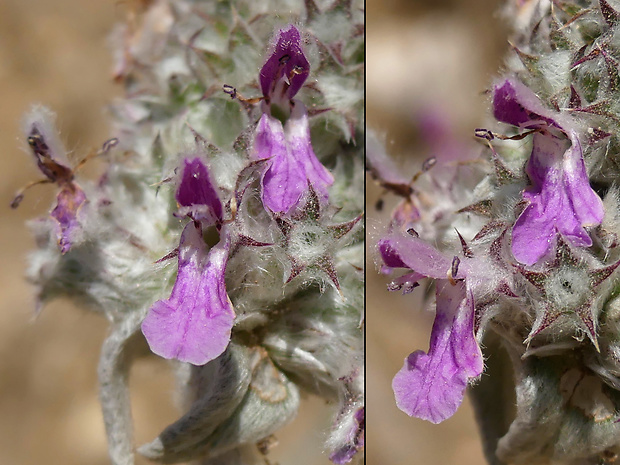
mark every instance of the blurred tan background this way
{"type": "Point", "coordinates": [439, 54]}
{"type": "Point", "coordinates": [55, 52]}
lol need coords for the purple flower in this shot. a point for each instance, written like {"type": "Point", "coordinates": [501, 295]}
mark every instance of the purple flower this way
{"type": "Point", "coordinates": [287, 68]}
{"type": "Point", "coordinates": [292, 164]}
{"type": "Point", "coordinates": [431, 385]}
{"type": "Point", "coordinates": [51, 160]}
{"type": "Point", "coordinates": [559, 198]}
{"type": "Point", "coordinates": [194, 325]}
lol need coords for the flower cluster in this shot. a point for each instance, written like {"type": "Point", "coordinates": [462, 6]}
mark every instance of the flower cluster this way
{"type": "Point", "coordinates": [224, 232]}
{"type": "Point", "coordinates": [525, 249]}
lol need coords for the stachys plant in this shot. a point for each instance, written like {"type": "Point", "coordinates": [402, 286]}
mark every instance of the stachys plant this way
{"type": "Point", "coordinates": [225, 231]}
{"type": "Point", "coordinates": [521, 243]}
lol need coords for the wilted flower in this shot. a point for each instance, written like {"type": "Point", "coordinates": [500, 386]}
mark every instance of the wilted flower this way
{"type": "Point", "coordinates": [51, 161]}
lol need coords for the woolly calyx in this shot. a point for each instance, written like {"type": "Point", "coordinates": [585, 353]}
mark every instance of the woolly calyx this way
{"type": "Point", "coordinates": [568, 288]}
{"type": "Point", "coordinates": [309, 241]}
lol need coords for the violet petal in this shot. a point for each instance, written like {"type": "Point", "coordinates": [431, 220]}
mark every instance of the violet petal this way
{"type": "Point", "coordinates": [560, 197]}
{"type": "Point", "coordinates": [587, 205]}
{"type": "Point", "coordinates": [532, 235]}
{"type": "Point", "coordinates": [432, 386]}
{"type": "Point", "coordinates": [297, 130]}
{"type": "Point", "coordinates": [286, 66]}
{"type": "Point", "coordinates": [399, 251]}
{"type": "Point", "coordinates": [514, 103]}
{"type": "Point", "coordinates": [535, 229]}
{"type": "Point", "coordinates": [196, 193]}
{"type": "Point", "coordinates": [284, 182]}
{"type": "Point", "coordinates": [69, 201]}
{"type": "Point", "coordinates": [293, 164]}
{"type": "Point", "coordinates": [194, 324]}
